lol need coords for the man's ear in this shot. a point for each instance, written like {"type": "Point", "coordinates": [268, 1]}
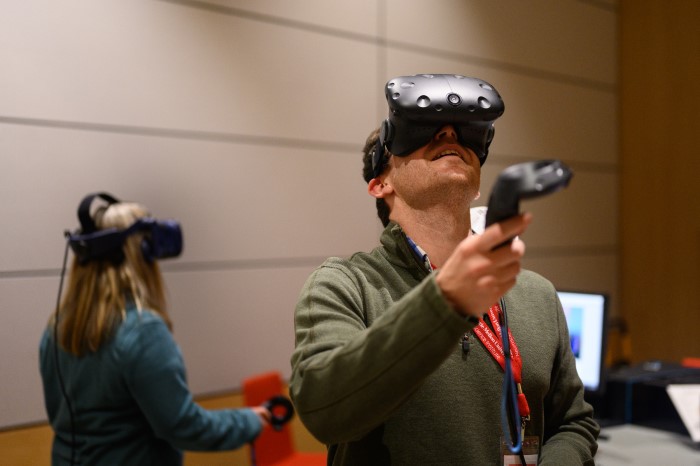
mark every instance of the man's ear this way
{"type": "Point", "coordinates": [379, 188]}
{"type": "Point", "coordinates": [478, 195]}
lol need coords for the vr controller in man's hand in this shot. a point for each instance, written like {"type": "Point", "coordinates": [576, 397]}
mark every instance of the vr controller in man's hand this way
{"type": "Point", "coordinates": [524, 181]}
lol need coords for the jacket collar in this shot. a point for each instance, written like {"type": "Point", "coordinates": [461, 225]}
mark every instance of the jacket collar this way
{"type": "Point", "coordinates": [399, 251]}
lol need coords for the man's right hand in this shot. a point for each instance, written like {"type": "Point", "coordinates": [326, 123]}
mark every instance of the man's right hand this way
{"type": "Point", "coordinates": [476, 275]}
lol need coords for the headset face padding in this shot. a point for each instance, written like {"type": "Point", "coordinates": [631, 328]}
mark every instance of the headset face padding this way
{"type": "Point", "coordinates": [422, 104]}
{"type": "Point", "coordinates": [162, 238]}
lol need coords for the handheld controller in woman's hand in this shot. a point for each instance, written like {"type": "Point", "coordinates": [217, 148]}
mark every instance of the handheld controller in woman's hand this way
{"type": "Point", "coordinates": [281, 411]}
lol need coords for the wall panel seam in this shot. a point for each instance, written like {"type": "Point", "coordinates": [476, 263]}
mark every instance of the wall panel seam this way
{"type": "Point", "coordinates": [305, 262]}
{"type": "Point", "coordinates": [197, 266]}
{"type": "Point", "coordinates": [172, 133]}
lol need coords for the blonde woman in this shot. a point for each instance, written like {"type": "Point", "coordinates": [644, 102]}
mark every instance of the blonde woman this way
{"type": "Point", "coordinates": [114, 379]}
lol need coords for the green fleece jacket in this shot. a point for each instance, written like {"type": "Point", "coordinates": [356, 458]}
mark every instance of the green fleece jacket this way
{"type": "Point", "coordinates": [378, 373]}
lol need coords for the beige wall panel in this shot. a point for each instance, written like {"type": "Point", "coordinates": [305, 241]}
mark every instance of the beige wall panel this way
{"type": "Point", "coordinates": [158, 64]}
{"type": "Point", "coordinates": [234, 323]}
{"type": "Point", "coordinates": [355, 17]}
{"type": "Point", "coordinates": [25, 306]}
{"type": "Point", "coordinates": [572, 39]}
{"type": "Point", "coordinates": [543, 118]}
{"type": "Point", "coordinates": [235, 201]}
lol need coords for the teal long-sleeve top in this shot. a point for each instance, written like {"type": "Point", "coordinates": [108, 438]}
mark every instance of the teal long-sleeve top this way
{"type": "Point", "coordinates": [131, 403]}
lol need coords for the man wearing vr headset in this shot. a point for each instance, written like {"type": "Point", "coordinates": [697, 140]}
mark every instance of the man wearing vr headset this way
{"type": "Point", "coordinates": [114, 379]}
{"type": "Point", "coordinates": [389, 366]}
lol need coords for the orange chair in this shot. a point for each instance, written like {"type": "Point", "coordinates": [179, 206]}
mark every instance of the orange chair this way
{"type": "Point", "coordinates": [690, 362]}
{"type": "Point", "coordinates": [272, 447]}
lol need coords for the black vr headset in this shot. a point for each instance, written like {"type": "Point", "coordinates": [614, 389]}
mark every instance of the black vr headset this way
{"type": "Point", "coordinates": [422, 104]}
{"type": "Point", "coordinates": [163, 238]}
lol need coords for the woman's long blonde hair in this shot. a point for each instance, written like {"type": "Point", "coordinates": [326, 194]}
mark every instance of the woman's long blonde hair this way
{"type": "Point", "coordinates": [95, 300]}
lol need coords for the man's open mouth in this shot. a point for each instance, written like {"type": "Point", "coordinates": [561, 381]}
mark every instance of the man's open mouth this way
{"type": "Point", "coordinates": [446, 153]}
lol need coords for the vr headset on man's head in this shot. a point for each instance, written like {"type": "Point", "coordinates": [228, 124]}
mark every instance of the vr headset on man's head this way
{"type": "Point", "coordinates": [422, 104]}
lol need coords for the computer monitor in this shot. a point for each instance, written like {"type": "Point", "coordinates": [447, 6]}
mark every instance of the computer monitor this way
{"type": "Point", "coordinates": [586, 316]}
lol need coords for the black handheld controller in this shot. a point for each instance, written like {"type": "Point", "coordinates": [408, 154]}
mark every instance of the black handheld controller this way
{"type": "Point", "coordinates": [524, 181]}
{"type": "Point", "coordinates": [281, 411]}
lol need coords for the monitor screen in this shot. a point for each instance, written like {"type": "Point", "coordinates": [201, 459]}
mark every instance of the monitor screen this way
{"type": "Point", "coordinates": [586, 315]}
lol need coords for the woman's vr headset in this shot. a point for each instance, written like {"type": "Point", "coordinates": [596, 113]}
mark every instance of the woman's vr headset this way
{"type": "Point", "coordinates": [422, 104]}
{"type": "Point", "coordinates": [163, 238]}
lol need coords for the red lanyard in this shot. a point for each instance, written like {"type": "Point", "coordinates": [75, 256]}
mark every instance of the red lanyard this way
{"type": "Point", "coordinates": [492, 342]}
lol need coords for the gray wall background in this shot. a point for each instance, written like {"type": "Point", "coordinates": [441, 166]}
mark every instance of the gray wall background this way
{"type": "Point", "coordinates": [244, 120]}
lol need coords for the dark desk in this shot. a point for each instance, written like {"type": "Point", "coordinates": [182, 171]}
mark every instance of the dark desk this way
{"type": "Point", "coordinates": [630, 444]}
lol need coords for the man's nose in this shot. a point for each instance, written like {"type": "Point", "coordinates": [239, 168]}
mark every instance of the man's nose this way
{"type": "Point", "coordinates": [447, 131]}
